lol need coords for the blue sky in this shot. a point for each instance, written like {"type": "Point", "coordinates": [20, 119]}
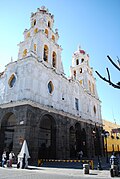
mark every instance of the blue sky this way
{"type": "Point", "coordinates": [92, 24]}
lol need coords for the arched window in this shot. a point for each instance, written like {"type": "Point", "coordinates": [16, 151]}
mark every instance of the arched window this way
{"type": "Point", "coordinates": [74, 74]}
{"type": "Point", "coordinates": [12, 80]}
{"type": "Point", "coordinates": [49, 24]}
{"type": "Point", "coordinates": [34, 23]}
{"type": "Point", "coordinates": [76, 104]}
{"type": "Point", "coordinates": [81, 82]}
{"type": "Point", "coordinates": [24, 52]}
{"type": "Point", "coordinates": [80, 70]}
{"type": "Point", "coordinates": [36, 30]}
{"type": "Point", "coordinates": [50, 87]}
{"type": "Point", "coordinates": [77, 62]}
{"type": "Point", "coordinates": [53, 38]}
{"type": "Point", "coordinates": [94, 109]}
{"type": "Point", "coordinates": [45, 55]}
{"type": "Point", "coordinates": [82, 60]}
{"type": "Point", "coordinates": [35, 47]}
{"type": "Point", "coordinates": [54, 59]}
{"type": "Point", "coordinates": [46, 32]}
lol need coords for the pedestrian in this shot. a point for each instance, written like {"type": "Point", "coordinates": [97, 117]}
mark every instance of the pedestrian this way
{"type": "Point", "coordinates": [80, 154]}
{"type": "Point", "coordinates": [4, 158]}
{"type": "Point", "coordinates": [114, 159]}
{"type": "Point", "coordinates": [114, 162]}
{"type": "Point", "coordinates": [23, 156]}
{"type": "Point", "coordinates": [11, 157]}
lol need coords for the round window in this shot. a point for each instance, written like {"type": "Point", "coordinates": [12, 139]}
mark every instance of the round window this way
{"type": "Point", "coordinates": [50, 87]}
{"type": "Point", "coordinates": [12, 80]}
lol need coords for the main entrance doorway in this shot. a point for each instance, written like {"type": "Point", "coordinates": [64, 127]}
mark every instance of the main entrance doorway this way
{"type": "Point", "coordinates": [47, 138]}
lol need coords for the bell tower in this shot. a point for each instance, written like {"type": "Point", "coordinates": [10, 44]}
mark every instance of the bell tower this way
{"type": "Point", "coordinates": [82, 72]}
{"type": "Point", "coordinates": [41, 41]}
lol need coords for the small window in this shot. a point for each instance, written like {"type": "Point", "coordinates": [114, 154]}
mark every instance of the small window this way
{"type": "Point", "coordinates": [81, 82]}
{"type": "Point", "coordinates": [63, 98]}
{"type": "Point", "coordinates": [118, 148]}
{"type": "Point", "coordinates": [82, 60]}
{"type": "Point", "coordinates": [54, 59]}
{"type": "Point", "coordinates": [45, 55]}
{"type": "Point", "coordinates": [50, 87]}
{"type": "Point", "coordinates": [74, 74]}
{"type": "Point", "coordinates": [113, 147]}
{"type": "Point", "coordinates": [76, 104]}
{"type": "Point", "coordinates": [49, 25]}
{"type": "Point", "coordinates": [34, 47]}
{"type": "Point", "coordinates": [80, 70]}
{"type": "Point", "coordinates": [36, 30]}
{"type": "Point", "coordinates": [34, 23]}
{"type": "Point", "coordinates": [77, 62]}
{"type": "Point", "coordinates": [24, 52]}
{"type": "Point", "coordinates": [53, 38]}
{"type": "Point", "coordinates": [46, 32]}
{"type": "Point", "coordinates": [94, 109]}
{"type": "Point", "coordinates": [12, 80]}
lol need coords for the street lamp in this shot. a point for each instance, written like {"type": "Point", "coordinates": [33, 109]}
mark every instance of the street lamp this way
{"type": "Point", "coordinates": [105, 134]}
{"type": "Point", "coordinates": [97, 141]}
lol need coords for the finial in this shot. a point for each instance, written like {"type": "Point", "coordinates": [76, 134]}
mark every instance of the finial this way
{"type": "Point", "coordinates": [11, 59]}
{"type": "Point", "coordinates": [56, 30]}
{"type": "Point", "coordinates": [38, 9]}
{"type": "Point", "coordinates": [42, 7]}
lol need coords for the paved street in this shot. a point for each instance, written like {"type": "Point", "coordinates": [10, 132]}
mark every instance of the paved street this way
{"type": "Point", "coordinates": [51, 173]}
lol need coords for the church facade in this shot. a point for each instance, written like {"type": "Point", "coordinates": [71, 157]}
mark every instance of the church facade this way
{"type": "Point", "coordinates": [56, 115]}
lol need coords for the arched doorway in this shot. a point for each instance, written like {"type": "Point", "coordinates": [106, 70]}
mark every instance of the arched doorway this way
{"type": "Point", "coordinates": [84, 144]}
{"type": "Point", "coordinates": [97, 145]}
{"type": "Point", "coordinates": [72, 142]}
{"type": "Point", "coordinates": [78, 137]}
{"type": "Point", "coordinates": [7, 130]}
{"type": "Point", "coordinates": [47, 138]}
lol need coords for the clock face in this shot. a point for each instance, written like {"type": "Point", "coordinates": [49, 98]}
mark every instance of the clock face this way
{"type": "Point", "coordinates": [2, 90]}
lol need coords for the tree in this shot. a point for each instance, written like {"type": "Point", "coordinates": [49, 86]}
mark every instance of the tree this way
{"type": "Point", "coordinates": [108, 80]}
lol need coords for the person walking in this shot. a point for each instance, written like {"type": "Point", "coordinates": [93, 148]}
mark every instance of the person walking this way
{"type": "Point", "coordinates": [114, 159]}
{"type": "Point", "coordinates": [11, 157]}
{"type": "Point", "coordinates": [80, 154]}
{"type": "Point", "coordinates": [114, 162]}
{"type": "Point", "coordinates": [4, 158]}
{"type": "Point", "coordinates": [23, 156]}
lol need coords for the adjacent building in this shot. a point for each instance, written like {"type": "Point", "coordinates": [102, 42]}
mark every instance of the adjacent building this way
{"type": "Point", "coordinates": [112, 140]}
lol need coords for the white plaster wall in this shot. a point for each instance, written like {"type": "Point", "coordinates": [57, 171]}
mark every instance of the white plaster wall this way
{"type": "Point", "coordinates": [31, 84]}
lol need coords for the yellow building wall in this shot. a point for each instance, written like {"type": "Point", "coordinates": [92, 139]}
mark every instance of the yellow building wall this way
{"type": "Point", "coordinates": [113, 144]}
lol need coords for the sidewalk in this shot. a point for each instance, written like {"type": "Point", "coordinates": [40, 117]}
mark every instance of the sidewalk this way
{"type": "Point", "coordinates": [104, 164]}
{"type": "Point", "coordinates": [58, 170]}
{"type": "Point", "coordinates": [37, 171]}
